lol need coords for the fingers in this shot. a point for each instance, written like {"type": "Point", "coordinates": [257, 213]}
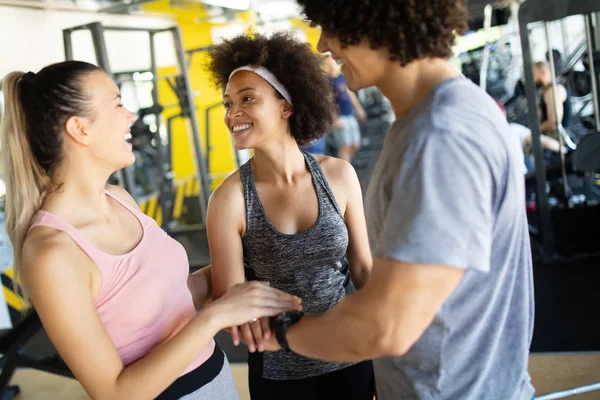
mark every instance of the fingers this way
{"type": "Point", "coordinates": [269, 297]}
{"type": "Point", "coordinates": [235, 336]}
{"type": "Point", "coordinates": [248, 338]}
{"type": "Point", "coordinates": [266, 328]}
{"type": "Point", "coordinates": [256, 329]}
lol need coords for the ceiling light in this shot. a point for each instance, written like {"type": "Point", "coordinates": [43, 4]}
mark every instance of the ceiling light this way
{"type": "Point", "coordinates": [235, 4]}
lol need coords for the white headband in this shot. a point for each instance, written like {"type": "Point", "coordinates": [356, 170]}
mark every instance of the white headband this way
{"type": "Point", "coordinates": [267, 76]}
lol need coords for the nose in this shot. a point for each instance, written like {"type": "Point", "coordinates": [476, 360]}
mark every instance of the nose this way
{"type": "Point", "coordinates": [132, 117]}
{"type": "Point", "coordinates": [233, 112]}
{"type": "Point", "coordinates": [322, 44]}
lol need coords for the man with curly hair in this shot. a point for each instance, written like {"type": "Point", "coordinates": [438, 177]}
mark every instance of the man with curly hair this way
{"type": "Point", "coordinates": [448, 310]}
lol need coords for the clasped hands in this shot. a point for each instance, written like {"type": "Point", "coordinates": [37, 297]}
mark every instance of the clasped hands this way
{"type": "Point", "coordinates": [257, 335]}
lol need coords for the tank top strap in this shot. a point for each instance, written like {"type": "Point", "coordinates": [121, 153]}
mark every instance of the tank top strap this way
{"type": "Point", "coordinates": [50, 220]}
{"type": "Point", "coordinates": [249, 190]}
{"type": "Point", "coordinates": [320, 181]}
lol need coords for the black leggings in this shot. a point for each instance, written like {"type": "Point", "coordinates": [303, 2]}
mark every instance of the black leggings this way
{"type": "Point", "coordinates": [356, 382]}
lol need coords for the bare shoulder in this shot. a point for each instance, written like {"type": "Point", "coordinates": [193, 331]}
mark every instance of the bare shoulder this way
{"type": "Point", "coordinates": [337, 170]}
{"type": "Point", "coordinates": [228, 198]}
{"type": "Point", "coordinates": [48, 254]}
{"type": "Point", "coordinates": [230, 190]}
{"type": "Point", "coordinates": [122, 194]}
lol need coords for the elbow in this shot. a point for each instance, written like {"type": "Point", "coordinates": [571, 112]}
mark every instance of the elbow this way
{"type": "Point", "coordinates": [391, 340]}
{"type": "Point", "coordinates": [361, 277]}
{"type": "Point", "coordinates": [394, 345]}
{"type": "Point", "coordinates": [361, 271]}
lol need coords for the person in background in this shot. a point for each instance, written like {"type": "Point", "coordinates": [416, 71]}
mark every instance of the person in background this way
{"type": "Point", "coordinates": [524, 135]}
{"type": "Point", "coordinates": [346, 132]}
{"type": "Point", "coordinates": [542, 77]}
{"type": "Point", "coordinates": [111, 288]}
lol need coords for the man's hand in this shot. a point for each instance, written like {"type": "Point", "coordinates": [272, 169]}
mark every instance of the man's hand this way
{"type": "Point", "coordinates": [339, 124]}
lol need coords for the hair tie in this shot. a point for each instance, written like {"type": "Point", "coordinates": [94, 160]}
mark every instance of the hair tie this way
{"type": "Point", "coordinates": [28, 77]}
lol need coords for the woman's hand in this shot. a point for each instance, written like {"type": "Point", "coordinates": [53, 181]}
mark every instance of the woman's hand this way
{"type": "Point", "coordinates": [252, 334]}
{"type": "Point", "coordinates": [249, 301]}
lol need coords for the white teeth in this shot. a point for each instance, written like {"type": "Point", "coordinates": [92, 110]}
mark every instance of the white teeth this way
{"type": "Point", "coordinates": [128, 136]}
{"type": "Point", "coordinates": [241, 127]}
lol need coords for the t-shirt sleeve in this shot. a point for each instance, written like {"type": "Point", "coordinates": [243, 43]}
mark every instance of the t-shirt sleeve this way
{"type": "Point", "coordinates": [440, 210]}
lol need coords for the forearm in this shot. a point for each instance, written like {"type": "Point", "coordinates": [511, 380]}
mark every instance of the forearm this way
{"type": "Point", "coordinates": [200, 285]}
{"type": "Point", "coordinates": [222, 282]}
{"type": "Point", "coordinates": [550, 144]}
{"type": "Point", "coordinates": [346, 333]}
{"type": "Point", "coordinates": [548, 126]}
{"type": "Point", "coordinates": [152, 374]}
{"type": "Point", "coordinates": [355, 102]}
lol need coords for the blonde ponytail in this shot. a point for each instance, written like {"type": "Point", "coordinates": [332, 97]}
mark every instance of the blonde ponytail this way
{"type": "Point", "coordinates": [32, 132]}
{"type": "Point", "coordinates": [26, 182]}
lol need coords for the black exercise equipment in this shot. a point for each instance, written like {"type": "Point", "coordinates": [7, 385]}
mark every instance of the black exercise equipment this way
{"type": "Point", "coordinates": [12, 346]}
{"type": "Point", "coordinates": [580, 83]}
{"type": "Point", "coordinates": [550, 218]}
{"type": "Point", "coordinates": [587, 156]}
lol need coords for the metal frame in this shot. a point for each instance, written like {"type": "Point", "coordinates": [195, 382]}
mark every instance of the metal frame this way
{"type": "Point", "coordinates": [97, 30]}
{"type": "Point", "coordinates": [534, 12]}
{"type": "Point", "coordinates": [12, 347]}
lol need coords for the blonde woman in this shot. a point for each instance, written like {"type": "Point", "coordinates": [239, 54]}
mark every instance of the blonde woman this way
{"type": "Point", "coordinates": [111, 288]}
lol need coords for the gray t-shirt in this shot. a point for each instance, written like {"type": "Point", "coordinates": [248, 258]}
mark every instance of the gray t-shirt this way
{"type": "Point", "coordinates": [448, 189]}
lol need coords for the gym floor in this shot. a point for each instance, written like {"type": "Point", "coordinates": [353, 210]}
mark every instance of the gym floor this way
{"type": "Point", "coordinates": [549, 372]}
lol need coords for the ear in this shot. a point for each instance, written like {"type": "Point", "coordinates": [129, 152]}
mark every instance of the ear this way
{"type": "Point", "coordinates": [286, 110]}
{"type": "Point", "coordinates": [76, 128]}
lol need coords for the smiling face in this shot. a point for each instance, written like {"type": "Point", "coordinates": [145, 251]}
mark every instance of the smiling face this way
{"type": "Point", "coordinates": [361, 65]}
{"type": "Point", "coordinates": [104, 136]}
{"type": "Point", "coordinates": [254, 113]}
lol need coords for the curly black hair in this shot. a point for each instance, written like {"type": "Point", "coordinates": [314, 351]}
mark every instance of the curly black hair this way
{"type": "Point", "coordinates": [410, 29]}
{"type": "Point", "coordinates": [294, 65]}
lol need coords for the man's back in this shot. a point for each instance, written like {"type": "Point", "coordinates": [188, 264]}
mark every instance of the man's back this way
{"type": "Point", "coordinates": [448, 189]}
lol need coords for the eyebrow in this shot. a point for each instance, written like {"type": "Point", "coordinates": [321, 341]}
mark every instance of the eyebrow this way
{"type": "Point", "coordinates": [118, 96]}
{"type": "Point", "coordinates": [246, 89]}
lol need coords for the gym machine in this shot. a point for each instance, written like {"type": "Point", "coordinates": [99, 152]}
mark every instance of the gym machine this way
{"type": "Point", "coordinates": [566, 221]}
{"type": "Point", "coordinates": [563, 227]}
{"type": "Point", "coordinates": [180, 84]}
{"type": "Point", "coordinates": [13, 346]}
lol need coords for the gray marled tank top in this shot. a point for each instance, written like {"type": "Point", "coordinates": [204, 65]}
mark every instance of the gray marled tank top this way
{"type": "Point", "coordinates": [309, 264]}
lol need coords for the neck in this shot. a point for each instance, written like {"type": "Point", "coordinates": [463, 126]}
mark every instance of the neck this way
{"type": "Point", "coordinates": [279, 160]}
{"type": "Point", "coordinates": [407, 86]}
{"type": "Point", "coordinates": [81, 188]}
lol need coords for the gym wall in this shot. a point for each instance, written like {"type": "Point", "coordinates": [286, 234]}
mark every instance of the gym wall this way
{"type": "Point", "coordinates": [32, 38]}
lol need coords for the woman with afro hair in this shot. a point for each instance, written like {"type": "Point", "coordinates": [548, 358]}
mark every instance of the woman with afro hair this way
{"type": "Point", "coordinates": [286, 217]}
{"type": "Point", "coordinates": [448, 310]}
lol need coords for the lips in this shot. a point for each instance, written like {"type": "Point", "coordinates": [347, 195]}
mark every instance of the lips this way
{"type": "Point", "coordinates": [240, 128]}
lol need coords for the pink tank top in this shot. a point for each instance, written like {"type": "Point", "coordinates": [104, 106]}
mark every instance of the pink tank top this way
{"type": "Point", "coordinates": [144, 298]}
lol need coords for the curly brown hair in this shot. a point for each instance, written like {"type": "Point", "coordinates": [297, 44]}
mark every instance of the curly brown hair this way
{"type": "Point", "coordinates": [296, 67]}
{"type": "Point", "coordinates": [410, 29]}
